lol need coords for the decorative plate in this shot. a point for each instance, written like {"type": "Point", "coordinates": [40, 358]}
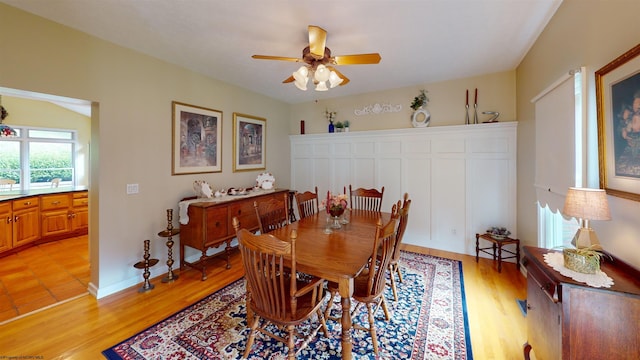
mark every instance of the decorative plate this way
{"type": "Point", "coordinates": [265, 177]}
{"type": "Point", "coordinates": [202, 189]}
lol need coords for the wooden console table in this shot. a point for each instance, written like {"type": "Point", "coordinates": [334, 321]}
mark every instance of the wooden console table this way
{"type": "Point", "coordinates": [567, 319]}
{"type": "Point", "coordinates": [210, 226]}
{"type": "Point", "coordinates": [498, 243]}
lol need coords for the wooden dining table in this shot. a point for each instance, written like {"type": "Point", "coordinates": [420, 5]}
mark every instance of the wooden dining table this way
{"type": "Point", "coordinates": [338, 257]}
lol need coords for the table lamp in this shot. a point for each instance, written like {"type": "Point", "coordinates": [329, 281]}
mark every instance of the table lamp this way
{"type": "Point", "coordinates": [586, 204]}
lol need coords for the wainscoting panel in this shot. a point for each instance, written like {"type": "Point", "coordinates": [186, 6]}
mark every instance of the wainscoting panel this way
{"type": "Point", "coordinates": [461, 179]}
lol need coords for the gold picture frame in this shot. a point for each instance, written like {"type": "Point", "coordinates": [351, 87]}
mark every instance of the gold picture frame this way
{"type": "Point", "coordinates": [196, 139]}
{"type": "Point", "coordinates": [249, 142]}
{"type": "Point", "coordinates": [618, 111]}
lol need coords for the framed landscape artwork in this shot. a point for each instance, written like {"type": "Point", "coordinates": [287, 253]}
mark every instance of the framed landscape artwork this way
{"type": "Point", "coordinates": [197, 139]}
{"type": "Point", "coordinates": [249, 142]}
{"type": "Point", "coordinates": [618, 105]}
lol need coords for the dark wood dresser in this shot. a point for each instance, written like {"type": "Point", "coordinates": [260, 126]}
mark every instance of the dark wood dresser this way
{"type": "Point", "coordinates": [210, 225]}
{"type": "Point", "coordinates": [567, 319]}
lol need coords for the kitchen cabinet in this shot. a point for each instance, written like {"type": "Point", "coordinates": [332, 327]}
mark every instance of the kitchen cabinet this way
{"type": "Point", "coordinates": [26, 220]}
{"type": "Point", "coordinates": [6, 226]}
{"type": "Point", "coordinates": [64, 215]}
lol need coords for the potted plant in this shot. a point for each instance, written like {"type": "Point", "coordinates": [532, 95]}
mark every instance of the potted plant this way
{"type": "Point", "coordinates": [346, 125]}
{"type": "Point", "coordinates": [420, 100]}
{"type": "Point", "coordinates": [584, 260]}
{"type": "Point", "coordinates": [339, 126]}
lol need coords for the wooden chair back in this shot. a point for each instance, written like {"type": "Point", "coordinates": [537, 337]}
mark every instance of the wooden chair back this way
{"type": "Point", "coordinates": [272, 286]}
{"type": "Point", "coordinates": [273, 213]}
{"type": "Point", "coordinates": [7, 184]}
{"type": "Point", "coordinates": [307, 203]}
{"type": "Point", "coordinates": [385, 239]}
{"type": "Point", "coordinates": [403, 214]}
{"type": "Point", "coordinates": [366, 199]}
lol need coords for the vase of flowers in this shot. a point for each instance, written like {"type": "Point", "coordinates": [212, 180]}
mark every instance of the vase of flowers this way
{"type": "Point", "coordinates": [335, 206]}
{"type": "Point", "coordinates": [331, 116]}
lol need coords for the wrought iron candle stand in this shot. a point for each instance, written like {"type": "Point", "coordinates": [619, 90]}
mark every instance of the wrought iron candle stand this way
{"type": "Point", "coordinates": [146, 264]}
{"type": "Point", "coordinates": [169, 233]}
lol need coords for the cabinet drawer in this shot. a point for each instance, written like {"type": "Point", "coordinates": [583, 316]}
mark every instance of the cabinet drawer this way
{"type": "Point", "coordinates": [216, 226]}
{"type": "Point", "coordinates": [548, 285]}
{"type": "Point", "coordinates": [82, 194]}
{"type": "Point", "coordinates": [52, 202]}
{"type": "Point", "coordinates": [246, 214]}
{"type": "Point", "coordinates": [80, 202]}
{"type": "Point", "coordinates": [25, 203]}
{"type": "Point", "coordinates": [5, 206]}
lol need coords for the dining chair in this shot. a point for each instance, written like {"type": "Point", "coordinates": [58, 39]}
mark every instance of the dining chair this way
{"type": "Point", "coordinates": [394, 264]}
{"type": "Point", "coordinates": [307, 203]}
{"type": "Point", "coordinates": [55, 182]}
{"type": "Point", "coordinates": [7, 184]}
{"type": "Point", "coordinates": [368, 287]}
{"type": "Point", "coordinates": [273, 213]}
{"type": "Point", "coordinates": [273, 295]}
{"type": "Point", "coordinates": [366, 199]}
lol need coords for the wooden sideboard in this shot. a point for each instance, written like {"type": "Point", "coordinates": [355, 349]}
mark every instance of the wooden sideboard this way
{"type": "Point", "coordinates": [210, 226]}
{"type": "Point", "coordinates": [567, 319]}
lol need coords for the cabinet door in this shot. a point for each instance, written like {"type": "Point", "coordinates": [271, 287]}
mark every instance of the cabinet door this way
{"type": "Point", "coordinates": [543, 320]}
{"type": "Point", "coordinates": [6, 226]}
{"type": "Point", "coordinates": [26, 226]}
{"type": "Point", "coordinates": [55, 222]}
{"type": "Point", "coordinates": [80, 218]}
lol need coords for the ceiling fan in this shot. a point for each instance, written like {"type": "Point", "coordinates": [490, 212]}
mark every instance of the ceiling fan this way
{"type": "Point", "coordinates": [320, 64]}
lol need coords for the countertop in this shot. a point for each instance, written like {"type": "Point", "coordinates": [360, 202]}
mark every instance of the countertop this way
{"type": "Point", "coordinates": [18, 194]}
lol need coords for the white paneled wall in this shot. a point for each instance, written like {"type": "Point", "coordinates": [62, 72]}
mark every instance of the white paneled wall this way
{"type": "Point", "coordinates": [461, 179]}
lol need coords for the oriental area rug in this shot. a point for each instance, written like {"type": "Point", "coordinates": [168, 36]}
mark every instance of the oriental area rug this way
{"type": "Point", "coordinates": [429, 321]}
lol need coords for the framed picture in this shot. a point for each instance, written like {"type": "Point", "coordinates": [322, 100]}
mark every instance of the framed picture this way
{"type": "Point", "coordinates": [618, 105]}
{"type": "Point", "coordinates": [249, 142]}
{"type": "Point", "coordinates": [197, 140]}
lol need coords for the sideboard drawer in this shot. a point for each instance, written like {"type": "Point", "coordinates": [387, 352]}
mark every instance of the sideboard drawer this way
{"type": "Point", "coordinates": [246, 214]}
{"type": "Point", "coordinates": [548, 285]}
{"type": "Point", "coordinates": [216, 225]}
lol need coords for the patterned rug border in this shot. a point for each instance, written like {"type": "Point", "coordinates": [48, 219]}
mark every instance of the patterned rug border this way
{"type": "Point", "coordinates": [111, 354]}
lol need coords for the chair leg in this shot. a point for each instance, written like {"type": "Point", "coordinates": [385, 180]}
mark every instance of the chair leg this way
{"type": "Point", "coordinates": [372, 328]}
{"type": "Point", "coordinates": [252, 336]}
{"type": "Point", "coordinates": [393, 282]}
{"type": "Point", "coordinates": [327, 311]}
{"type": "Point", "coordinates": [291, 342]}
{"type": "Point", "coordinates": [384, 308]}
{"type": "Point", "coordinates": [399, 272]}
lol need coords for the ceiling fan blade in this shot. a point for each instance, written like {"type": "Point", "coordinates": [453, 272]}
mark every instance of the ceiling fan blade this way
{"type": "Point", "coordinates": [345, 80]}
{"type": "Point", "coordinates": [289, 79]}
{"type": "Point", "coordinates": [372, 58]}
{"type": "Point", "coordinates": [268, 57]}
{"type": "Point", "coordinates": [317, 41]}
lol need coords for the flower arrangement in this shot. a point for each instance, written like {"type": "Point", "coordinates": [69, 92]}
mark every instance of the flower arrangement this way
{"type": "Point", "coordinates": [330, 115]}
{"type": "Point", "coordinates": [420, 100]}
{"type": "Point", "coordinates": [335, 204]}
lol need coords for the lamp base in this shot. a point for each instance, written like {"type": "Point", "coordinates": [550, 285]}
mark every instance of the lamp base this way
{"type": "Point", "coordinates": [584, 238]}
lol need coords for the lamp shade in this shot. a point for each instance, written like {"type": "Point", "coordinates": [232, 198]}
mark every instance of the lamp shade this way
{"type": "Point", "coordinates": [587, 204]}
{"type": "Point", "coordinates": [322, 73]}
{"type": "Point", "coordinates": [301, 77]}
{"type": "Point", "coordinates": [334, 79]}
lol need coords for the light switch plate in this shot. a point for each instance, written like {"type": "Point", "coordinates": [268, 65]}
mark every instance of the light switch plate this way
{"type": "Point", "coordinates": [132, 189]}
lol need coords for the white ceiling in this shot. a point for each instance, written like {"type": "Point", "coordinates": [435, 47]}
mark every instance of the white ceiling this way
{"type": "Point", "coordinates": [420, 41]}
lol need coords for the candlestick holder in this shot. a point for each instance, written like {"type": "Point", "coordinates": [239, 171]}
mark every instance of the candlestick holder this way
{"type": "Point", "coordinates": [169, 233]}
{"type": "Point", "coordinates": [146, 264]}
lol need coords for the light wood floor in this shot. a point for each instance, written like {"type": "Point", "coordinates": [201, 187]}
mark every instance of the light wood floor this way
{"type": "Point", "coordinates": [84, 327]}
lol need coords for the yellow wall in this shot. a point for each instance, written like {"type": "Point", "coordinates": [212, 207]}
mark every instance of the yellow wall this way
{"type": "Point", "coordinates": [496, 92]}
{"type": "Point", "coordinates": [44, 114]}
{"type": "Point", "coordinates": [131, 132]}
{"type": "Point", "coordinates": [581, 33]}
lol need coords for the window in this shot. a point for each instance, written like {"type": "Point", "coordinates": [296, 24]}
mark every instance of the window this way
{"type": "Point", "coordinates": [560, 119]}
{"type": "Point", "coordinates": [39, 155]}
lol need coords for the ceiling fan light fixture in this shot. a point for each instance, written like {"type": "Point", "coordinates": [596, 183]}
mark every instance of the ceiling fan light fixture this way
{"type": "Point", "coordinates": [301, 77]}
{"type": "Point", "coordinates": [322, 86]}
{"type": "Point", "coordinates": [322, 73]}
{"type": "Point", "coordinates": [334, 79]}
